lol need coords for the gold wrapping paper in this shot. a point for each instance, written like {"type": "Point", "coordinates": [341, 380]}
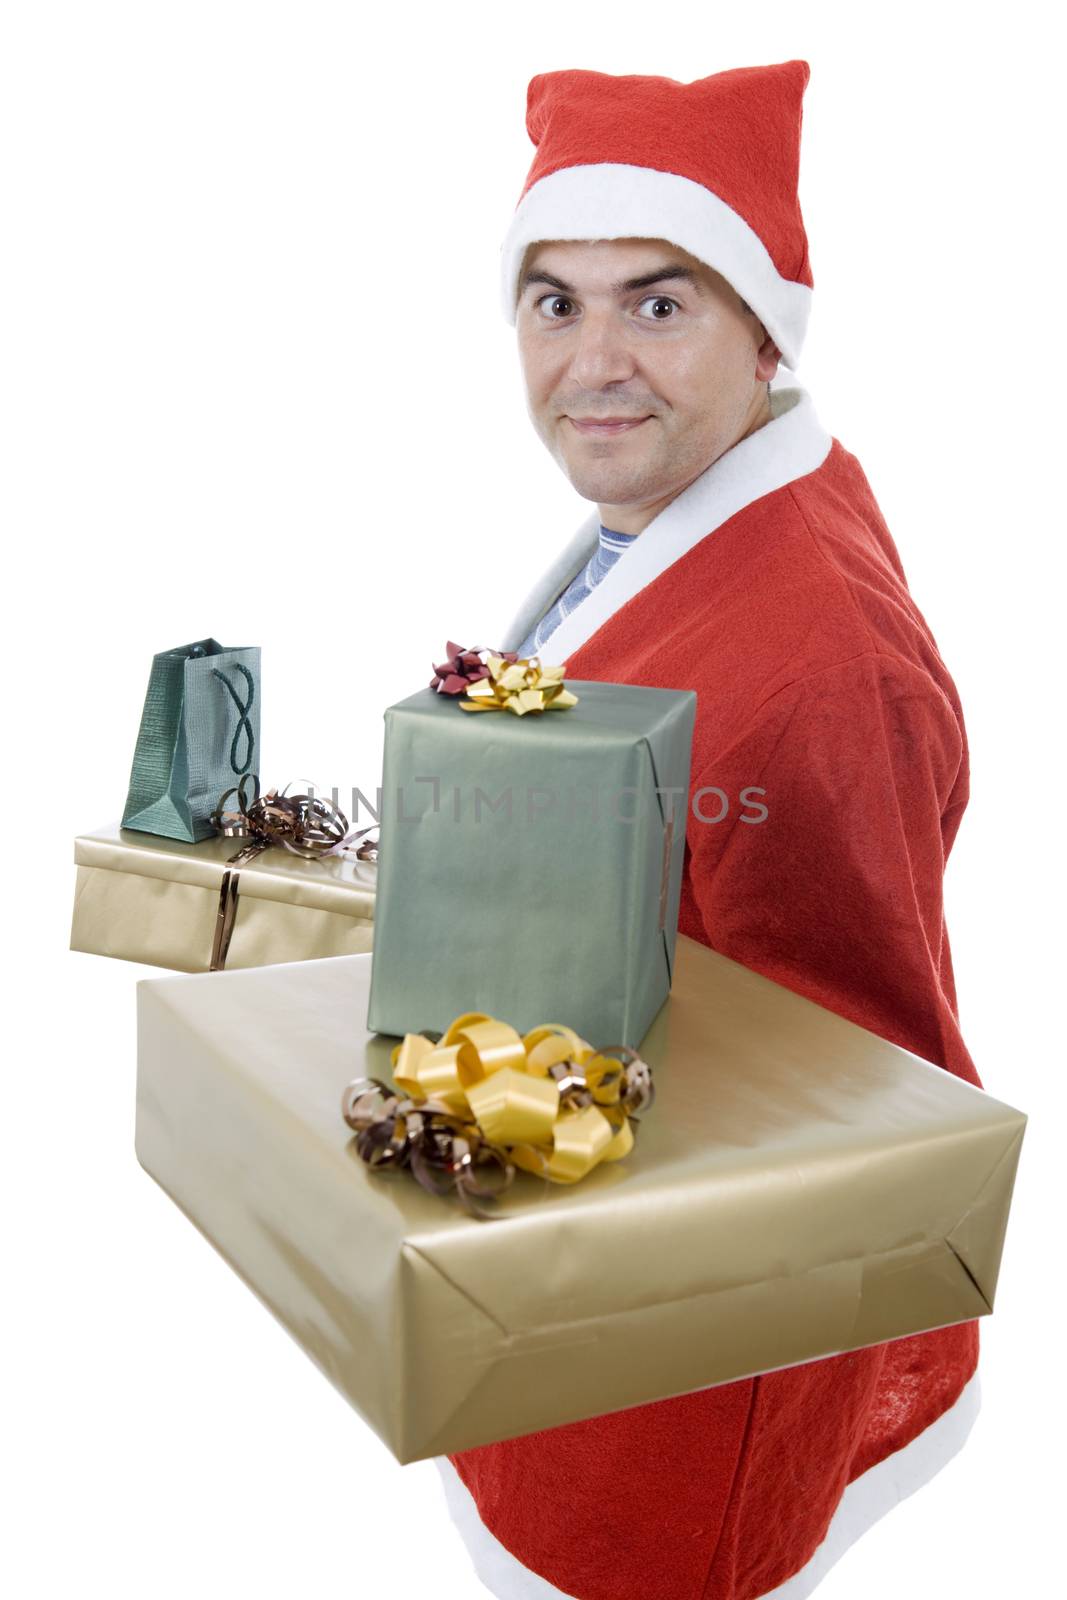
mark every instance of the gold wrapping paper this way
{"type": "Point", "coordinates": [802, 1188]}
{"type": "Point", "coordinates": [141, 897]}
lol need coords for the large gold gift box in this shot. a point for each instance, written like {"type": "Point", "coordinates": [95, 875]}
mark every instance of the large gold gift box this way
{"type": "Point", "coordinates": [799, 1188]}
{"type": "Point", "coordinates": [144, 898]}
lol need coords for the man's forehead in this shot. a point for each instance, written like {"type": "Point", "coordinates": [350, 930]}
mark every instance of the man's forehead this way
{"type": "Point", "coordinates": [612, 263]}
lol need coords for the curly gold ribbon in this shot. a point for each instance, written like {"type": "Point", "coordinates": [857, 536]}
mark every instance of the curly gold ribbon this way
{"type": "Point", "coordinates": [304, 824]}
{"type": "Point", "coordinates": [520, 686]}
{"type": "Point", "coordinates": [481, 1094]}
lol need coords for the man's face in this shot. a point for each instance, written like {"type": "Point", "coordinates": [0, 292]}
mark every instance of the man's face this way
{"type": "Point", "coordinates": [637, 330]}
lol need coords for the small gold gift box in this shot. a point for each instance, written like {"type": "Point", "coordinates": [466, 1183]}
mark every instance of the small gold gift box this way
{"type": "Point", "coordinates": [145, 898]}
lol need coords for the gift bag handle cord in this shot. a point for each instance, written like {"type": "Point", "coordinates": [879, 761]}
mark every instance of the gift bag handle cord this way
{"type": "Point", "coordinates": [243, 708]}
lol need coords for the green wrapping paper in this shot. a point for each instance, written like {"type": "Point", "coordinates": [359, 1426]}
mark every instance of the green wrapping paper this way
{"type": "Point", "coordinates": [531, 866]}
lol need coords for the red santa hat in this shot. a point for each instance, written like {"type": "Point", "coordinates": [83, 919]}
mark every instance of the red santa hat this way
{"type": "Point", "coordinates": [711, 166]}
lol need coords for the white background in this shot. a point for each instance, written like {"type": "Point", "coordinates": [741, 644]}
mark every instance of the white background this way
{"type": "Point", "coordinates": [256, 384]}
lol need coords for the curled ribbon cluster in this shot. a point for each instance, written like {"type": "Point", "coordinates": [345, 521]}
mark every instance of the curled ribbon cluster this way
{"type": "Point", "coordinates": [464, 667]}
{"type": "Point", "coordinates": [521, 685]}
{"type": "Point", "coordinates": [473, 1104]}
{"type": "Point", "coordinates": [305, 824]}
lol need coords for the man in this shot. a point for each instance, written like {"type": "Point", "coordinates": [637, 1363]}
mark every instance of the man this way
{"type": "Point", "coordinates": [657, 272]}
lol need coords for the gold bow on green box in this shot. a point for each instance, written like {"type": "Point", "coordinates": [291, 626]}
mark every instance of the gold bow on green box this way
{"type": "Point", "coordinates": [520, 686]}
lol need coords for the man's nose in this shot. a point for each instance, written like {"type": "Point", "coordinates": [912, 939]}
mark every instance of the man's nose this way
{"type": "Point", "coordinates": [600, 353]}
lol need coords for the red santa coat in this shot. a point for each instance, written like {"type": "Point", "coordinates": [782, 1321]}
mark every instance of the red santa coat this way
{"type": "Point", "coordinates": [772, 587]}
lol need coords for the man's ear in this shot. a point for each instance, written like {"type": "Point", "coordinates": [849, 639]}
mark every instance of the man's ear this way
{"type": "Point", "coordinates": [767, 358]}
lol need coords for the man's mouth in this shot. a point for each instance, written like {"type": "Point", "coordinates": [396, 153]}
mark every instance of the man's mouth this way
{"type": "Point", "coordinates": [606, 427]}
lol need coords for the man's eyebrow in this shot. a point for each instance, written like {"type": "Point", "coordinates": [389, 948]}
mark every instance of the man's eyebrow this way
{"type": "Point", "coordinates": [667, 274]}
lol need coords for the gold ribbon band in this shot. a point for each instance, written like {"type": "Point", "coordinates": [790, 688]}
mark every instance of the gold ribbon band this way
{"type": "Point", "coordinates": [302, 823]}
{"type": "Point", "coordinates": [665, 870]}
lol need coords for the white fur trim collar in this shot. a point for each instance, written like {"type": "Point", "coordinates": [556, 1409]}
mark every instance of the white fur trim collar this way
{"type": "Point", "coordinates": [790, 446]}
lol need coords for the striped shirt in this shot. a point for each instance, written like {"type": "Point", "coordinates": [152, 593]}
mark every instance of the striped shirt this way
{"type": "Point", "coordinates": [600, 563]}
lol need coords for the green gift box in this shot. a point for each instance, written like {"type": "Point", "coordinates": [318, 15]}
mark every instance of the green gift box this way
{"type": "Point", "coordinates": [531, 866]}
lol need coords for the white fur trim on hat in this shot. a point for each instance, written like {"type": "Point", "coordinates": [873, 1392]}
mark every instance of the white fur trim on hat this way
{"type": "Point", "coordinates": [613, 200]}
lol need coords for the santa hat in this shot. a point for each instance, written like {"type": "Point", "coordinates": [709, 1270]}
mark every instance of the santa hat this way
{"type": "Point", "coordinates": [711, 166]}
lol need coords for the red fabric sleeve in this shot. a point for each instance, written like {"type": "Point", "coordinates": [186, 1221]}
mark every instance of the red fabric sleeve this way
{"type": "Point", "coordinates": [837, 892]}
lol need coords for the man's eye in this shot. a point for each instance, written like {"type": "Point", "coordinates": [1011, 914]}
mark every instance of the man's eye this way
{"type": "Point", "coordinates": [661, 300]}
{"type": "Point", "coordinates": [549, 300]}
{"type": "Point", "coordinates": [549, 304]}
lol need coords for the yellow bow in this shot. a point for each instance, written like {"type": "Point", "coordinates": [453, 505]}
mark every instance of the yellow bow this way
{"type": "Point", "coordinates": [555, 1104]}
{"type": "Point", "coordinates": [519, 686]}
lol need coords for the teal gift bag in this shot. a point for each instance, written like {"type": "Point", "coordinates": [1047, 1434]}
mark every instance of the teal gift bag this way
{"type": "Point", "coordinates": [199, 734]}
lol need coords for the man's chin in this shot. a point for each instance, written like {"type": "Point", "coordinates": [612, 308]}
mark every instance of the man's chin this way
{"type": "Point", "coordinates": [604, 490]}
